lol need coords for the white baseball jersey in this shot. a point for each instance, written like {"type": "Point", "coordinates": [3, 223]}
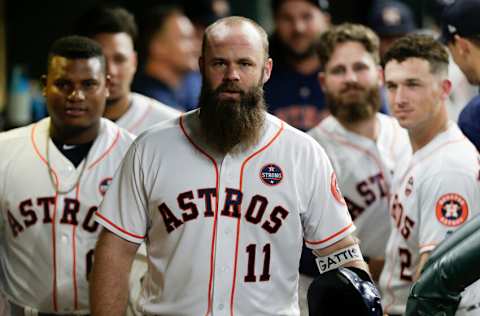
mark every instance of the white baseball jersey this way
{"type": "Point", "coordinates": [143, 113]}
{"type": "Point", "coordinates": [433, 194]}
{"type": "Point", "coordinates": [364, 168]}
{"type": "Point", "coordinates": [224, 233]}
{"type": "Point", "coordinates": [48, 238]}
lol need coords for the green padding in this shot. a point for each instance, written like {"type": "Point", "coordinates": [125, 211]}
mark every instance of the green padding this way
{"type": "Point", "coordinates": [437, 291]}
{"type": "Point", "coordinates": [463, 232]}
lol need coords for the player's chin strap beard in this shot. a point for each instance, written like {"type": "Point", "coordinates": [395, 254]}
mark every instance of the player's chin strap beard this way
{"type": "Point", "coordinates": [56, 185]}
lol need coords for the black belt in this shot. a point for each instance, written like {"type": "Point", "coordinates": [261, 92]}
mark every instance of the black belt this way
{"type": "Point", "coordinates": [17, 310]}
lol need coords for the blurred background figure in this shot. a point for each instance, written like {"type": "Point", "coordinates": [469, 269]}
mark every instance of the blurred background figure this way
{"type": "Point", "coordinates": [169, 57]}
{"type": "Point", "coordinates": [461, 32]}
{"type": "Point", "coordinates": [202, 13]}
{"type": "Point", "coordinates": [462, 90]}
{"type": "Point", "coordinates": [293, 93]}
{"type": "Point", "coordinates": [391, 20]}
{"type": "Point", "coordinates": [114, 28]}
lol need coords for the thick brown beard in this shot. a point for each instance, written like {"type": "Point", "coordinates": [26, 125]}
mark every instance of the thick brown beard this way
{"type": "Point", "coordinates": [227, 124]}
{"type": "Point", "coordinates": [352, 111]}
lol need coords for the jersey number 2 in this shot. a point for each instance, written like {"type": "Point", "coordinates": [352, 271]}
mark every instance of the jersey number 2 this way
{"type": "Point", "coordinates": [405, 263]}
{"type": "Point", "coordinates": [251, 251]}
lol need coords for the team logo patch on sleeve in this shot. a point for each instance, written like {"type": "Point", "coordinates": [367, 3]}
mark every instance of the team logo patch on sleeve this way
{"type": "Point", "coordinates": [103, 186]}
{"type": "Point", "coordinates": [271, 174]}
{"type": "Point", "coordinates": [452, 209]}
{"type": "Point", "coordinates": [335, 189]}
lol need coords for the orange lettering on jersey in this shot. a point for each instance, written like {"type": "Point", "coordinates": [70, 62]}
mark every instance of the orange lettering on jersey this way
{"type": "Point", "coordinates": [335, 190]}
{"type": "Point", "coordinates": [451, 209]}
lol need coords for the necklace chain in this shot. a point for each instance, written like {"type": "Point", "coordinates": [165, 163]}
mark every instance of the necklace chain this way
{"type": "Point", "coordinates": [56, 184]}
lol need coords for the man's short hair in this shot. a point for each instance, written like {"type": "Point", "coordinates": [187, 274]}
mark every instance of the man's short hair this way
{"type": "Point", "coordinates": [231, 20]}
{"type": "Point", "coordinates": [343, 33]}
{"type": "Point", "coordinates": [419, 46]}
{"type": "Point", "coordinates": [76, 47]}
{"type": "Point", "coordinates": [107, 19]}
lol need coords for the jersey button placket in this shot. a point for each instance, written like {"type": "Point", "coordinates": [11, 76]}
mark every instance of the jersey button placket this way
{"type": "Point", "coordinates": [225, 243]}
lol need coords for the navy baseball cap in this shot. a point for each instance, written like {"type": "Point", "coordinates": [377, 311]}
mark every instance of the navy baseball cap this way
{"type": "Point", "coordinates": [392, 18]}
{"type": "Point", "coordinates": [461, 17]}
{"type": "Point", "coordinates": [469, 121]}
{"type": "Point", "coordinates": [323, 5]}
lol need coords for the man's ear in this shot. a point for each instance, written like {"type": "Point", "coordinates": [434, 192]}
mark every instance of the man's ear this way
{"type": "Point", "coordinates": [446, 86]}
{"type": "Point", "coordinates": [43, 81]}
{"type": "Point", "coordinates": [108, 84]}
{"type": "Point", "coordinates": [462, 44]}
{"type": "Point", "coordinates": [267, 70]}
{"type": "Point", "coordinates": [381, 76]}
{"type": "Point", "coordinates": [321, 80]}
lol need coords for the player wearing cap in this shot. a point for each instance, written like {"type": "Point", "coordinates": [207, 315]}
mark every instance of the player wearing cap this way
{"type": "Point", "coordinates": [461, 32]}
{"type": "Point", "coordinates": [437, 190]}
{"type": "Point", "coordinates": [391, 20]}
{"type": "Point", "coordinates": [54, 174]}
{"type": "Point", "coordinates": [357, 135]}
{"type": "Point", "coordinates": [224, 198]}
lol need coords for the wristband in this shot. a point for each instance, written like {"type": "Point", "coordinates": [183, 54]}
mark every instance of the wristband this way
{"type": "Point", "coordinates": [338, 258]}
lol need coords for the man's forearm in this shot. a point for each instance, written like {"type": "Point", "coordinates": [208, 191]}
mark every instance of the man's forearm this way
{"type": "Point", "coordinates": [109, 279]}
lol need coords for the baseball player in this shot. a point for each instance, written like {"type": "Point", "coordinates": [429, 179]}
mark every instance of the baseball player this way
{"type": "Point", "coordinates": [54, 175]}
{"type": "Point", "coordinates": [225, 209]}
{"type": "Point", "coordinates": [437, 190]}
{"type": "Point", "coordinates": [115, 30]}
{"type": "Point", "coordinates": [363, 145]}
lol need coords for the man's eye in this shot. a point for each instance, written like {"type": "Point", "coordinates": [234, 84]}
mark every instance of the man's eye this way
{"type": "Point", "coordinates": [90, 83]}
{"type": "Point", "coordinates": [337, 71]}
{"type": "Point", "coordinates": [62, 85]}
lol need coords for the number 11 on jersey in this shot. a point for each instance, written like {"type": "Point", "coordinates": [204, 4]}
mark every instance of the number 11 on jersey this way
{"type": "Point", "coordinates": [251, 253]}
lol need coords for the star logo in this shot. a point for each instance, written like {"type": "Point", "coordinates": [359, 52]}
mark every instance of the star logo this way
{"type": "Point", "coordinates": [451, 209]}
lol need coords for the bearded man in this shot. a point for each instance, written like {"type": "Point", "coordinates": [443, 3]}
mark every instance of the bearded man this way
{"type": "Point", "coordinates": [363, 145]}
{"type": "Point", "coordinates": [223, 197]}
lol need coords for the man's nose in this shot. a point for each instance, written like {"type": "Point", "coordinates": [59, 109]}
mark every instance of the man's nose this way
{"type": "Point", "coordinates": [232, 73]}
{"type": "Point", "coordinates": [76, 95]}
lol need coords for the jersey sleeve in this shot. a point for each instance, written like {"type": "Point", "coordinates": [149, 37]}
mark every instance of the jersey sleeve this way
{"type": "Point", "coordinates": [446, 201]}
{"type": "Point", "coordinates": [124, 209]}
{"type": "Point", "coordinates": [326, 219]}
